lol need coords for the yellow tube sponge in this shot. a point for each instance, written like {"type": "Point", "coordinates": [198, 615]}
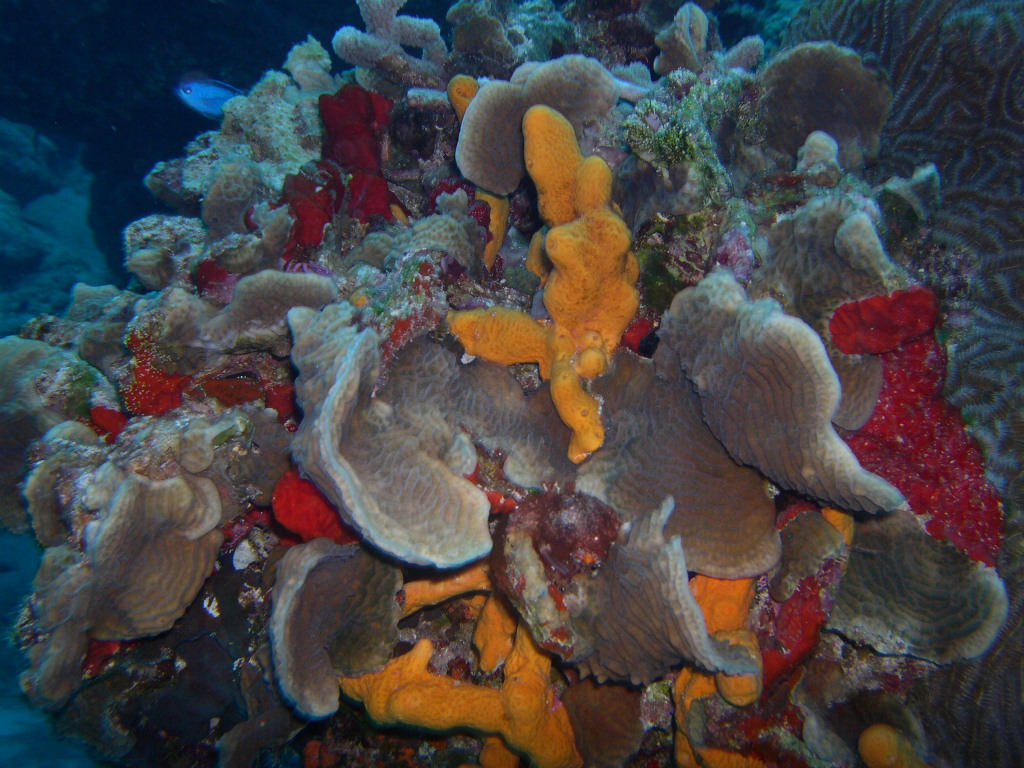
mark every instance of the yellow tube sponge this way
{"type": "Point", "coordinates": [405, 691]}
{"type": "Point", "coordinates": [726, 606]}
{"type": "Point", "coordinates": [590, 292]}
{"type": "Point", "coordinates": [495, 633]}
{"type": "Point", "coordinates": [504, 336]}
{"type": "Point", "coordinates": [420, 594]}
{"type": "Point", "coordinates": [497, 224]}
{"type": "Point", "coordinates": [524, 711]}
{"type": "Point", "coordinates": [461, 90]}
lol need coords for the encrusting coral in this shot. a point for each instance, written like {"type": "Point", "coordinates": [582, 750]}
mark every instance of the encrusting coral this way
{"type": "Point", "coordinates": [589, 293]}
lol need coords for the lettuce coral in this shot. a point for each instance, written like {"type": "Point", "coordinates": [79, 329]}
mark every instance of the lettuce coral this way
{"type": "Point", "coordinates": [905, 592]}
{"type": "Point", "coordinates": [489, 152]}
{"type": "Point", "coordinates": [769, 393]}
{"type": "Point", "coordinates": [406, 497]}
{"type": "Point", "coordinates": [334, 614]}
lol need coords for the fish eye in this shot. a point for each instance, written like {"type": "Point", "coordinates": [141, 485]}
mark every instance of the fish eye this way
{"type": "Point", "coordinates": [187, 90]}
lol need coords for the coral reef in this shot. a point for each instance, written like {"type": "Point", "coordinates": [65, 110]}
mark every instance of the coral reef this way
{"type": "Point", "coordinates": [624, 447]}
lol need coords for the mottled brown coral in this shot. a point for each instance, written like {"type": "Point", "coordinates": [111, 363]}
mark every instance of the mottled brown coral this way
{"type": "Point", "coordinates": [953, 65]}
{"type": "Point", "coordinates": [807, 540]}
{"type": "Point", "coordinates": [146, 556]}
{"type": "Point", "coordinates": [640, 617]}
{"type": "Point", "coordinates": [255, 317]}
{"type": "Point", "coordinates": [606, 720]}
{"type": "Point", "coordinates": [233, 188]}
{"type": "Point", "coordinates": [44, 386]}
{"type": "Point", "coordinates": [490, 148]}
{"type": "Point", "coordinates": [970, 709]}
{"type": "Point", "coordinates": [825, 253]}
{"type": "Point", "coordinates": [150, 552]}
{"type": "Point", "coordinates": [658, 446]}
{"type": "Point", "coordinates": [334, 614]}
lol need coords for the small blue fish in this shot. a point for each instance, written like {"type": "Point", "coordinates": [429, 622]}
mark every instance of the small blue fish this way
{"type": "Point", "coordinates": [203, 94]}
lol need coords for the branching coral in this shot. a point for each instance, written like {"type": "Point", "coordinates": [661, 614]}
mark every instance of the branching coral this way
{"type": "Point", "coordinates": [382, 47]}
{"type": "Point", "coordinates": [589, 293]}
{"type": "Point", "coordinates": [683, 43]}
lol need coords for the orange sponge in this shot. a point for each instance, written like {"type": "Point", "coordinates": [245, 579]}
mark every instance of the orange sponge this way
{"type": "Point", "coordinates": [589, 292]}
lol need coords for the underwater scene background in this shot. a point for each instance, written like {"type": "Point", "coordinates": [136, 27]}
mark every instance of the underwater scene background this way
{"type": "Point", "coordinates": [584, 383]}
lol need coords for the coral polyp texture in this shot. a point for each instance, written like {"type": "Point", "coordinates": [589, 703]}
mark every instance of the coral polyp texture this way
{"type": "Point", "coordinates": [592, 410]}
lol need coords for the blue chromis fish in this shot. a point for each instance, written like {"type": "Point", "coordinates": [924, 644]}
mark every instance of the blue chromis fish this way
{"type": "Point", "coordinates": [203, 94]}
